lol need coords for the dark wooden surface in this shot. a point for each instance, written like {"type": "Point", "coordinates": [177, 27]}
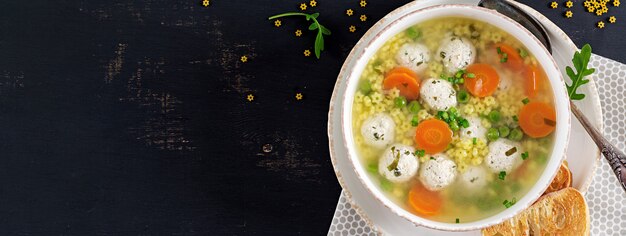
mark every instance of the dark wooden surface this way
{"type": "Point", "coordinates": [130, 118]}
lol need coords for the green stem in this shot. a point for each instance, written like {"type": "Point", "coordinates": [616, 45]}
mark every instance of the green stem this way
{"type": "Point", "coordinates": [295, 14]}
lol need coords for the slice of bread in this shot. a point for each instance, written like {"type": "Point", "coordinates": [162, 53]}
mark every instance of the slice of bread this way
{"type": "Point", "coordinates": [563, 212]}
{"type": "Point", "coordinates": [563, 179]}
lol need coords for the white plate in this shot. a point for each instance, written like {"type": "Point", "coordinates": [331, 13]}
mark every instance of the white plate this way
{"type": "Point", "coordinates": [582, 153]}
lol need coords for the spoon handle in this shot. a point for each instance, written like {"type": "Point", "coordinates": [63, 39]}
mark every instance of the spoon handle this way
{"type": "Point", "coordinates": [616, 158]}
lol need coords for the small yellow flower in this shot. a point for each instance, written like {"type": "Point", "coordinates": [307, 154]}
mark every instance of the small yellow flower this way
{"type": "Point", "coordinates": [244, 59]}
{"type": "Point", "coordinates": [554, 4]}
{"type": "Point", "coordinates": [349, 12]}
{"type": "Point", "coordinates": [363, 3]}
{"type": "Point", "coordinates": [599, 12]}
{"type": "Point", "coordinates": [303, 6]}
{"type": "Point", "coordinates": [569, 4]}
{"type": "Point", "coordinates": [299, 96]}
{"type": "Point", "coordinates": [298, 33]}
{"type": "Point", "coordinates": [277, 23]}
{"type": "Point", "coordinates": [612, 19]}
{"type": "Point", "coordinates": [615, 3]}
{"type": "Point", "coordinates": [363, 18]}
{"type": "Point", "coordinates": [313, 3]}
{"type": "Point", "coordinates": [587, 4]}
{"type": "Point", "coordinates": [352, 28]}
{"type": "Point", "coordinates": [600, 24]}
{"type": "Point", "coordinates": [307, 53]}
{"type": "Point", "coordinates": [591, 9]}
{"type": "Point", "coordinates": [205, 3]}
{"type": "Point", "coordinates": [250, 97]}
{"type": "Point", "coordinates": [569, 14]}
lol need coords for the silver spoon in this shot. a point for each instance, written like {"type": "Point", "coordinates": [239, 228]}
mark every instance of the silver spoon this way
{"type": "Point", "coordinates": [614, 156]}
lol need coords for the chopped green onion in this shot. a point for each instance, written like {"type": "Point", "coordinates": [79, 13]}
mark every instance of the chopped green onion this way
{"type": "Point", "coordinates": [459, 74]}
{"type": "Point", "coordinates": [464, 123]}
{"type": "Point", "coordinates": [414, 107]}
{"type": "Point", "coordinates": [372, 168]}
{"type": "Point", "coordinates": [516, 134]}
{"type": "Point", "coordinates": [445, 116]}
{"type": "Point", "coordinates": [522, 52]}
{"type": "Point", "coordinates": [504, 131]}
{"type": "Point", "coordinates": [460, 81]}
{"type": "Point", "coordinates": [365, 87]}
{"type": "Point", "coordinates": [454, 126]}
{"type": "Point", "coordinates": [502, 175]}
{"type": "Point", "coordinates": [493, 134]}
{"type": "Point", "coordinates": [414, 121]}
{"type": "Point", "coordinates": [420, 153]}
{"type": "Point", "coordinates": [462, 96]}
{"type": "Point", "coordinates": [457, 220]}
{"type": "Point", "coordinates": [413, 33]}
{"type": "Point", "coordinates": [453, 111]}
{"type": "Point", "coordinates": [504, 58]}
{"type": "Point", "coordinates": [474, 141]}
{"type": "Point", "coordinates": [499, 50]}
{"type": "Point", "coordinates": [515, 118]}
{"type": "Point", "coordinates": [508, 204]}
{"type": "Point", "coordinates": [494, 116]}
{"type": "Point", "coordinates": [385, 185]}
{"type": "Point", "coordinates": [400, 102]}
{"type": "Point", "coordinates": [524, 155]}
{"type": "Point", "coordinates": [525, 101]}
{"type": "Point", "coordinates": [470, 75]}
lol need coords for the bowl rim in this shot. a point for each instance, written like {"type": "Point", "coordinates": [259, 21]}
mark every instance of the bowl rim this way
{"type": "Point", "coordinates": [547, 62]}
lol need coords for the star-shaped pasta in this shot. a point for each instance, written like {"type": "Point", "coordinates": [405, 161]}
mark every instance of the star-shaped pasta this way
{"type": "Point", "coordinates": [615, 3]}
{"type": "Point", "coordinates": [312, 3]}
{"type": "Point", "coordinates": [205, 3]}
{"type": "Point", "coordinates": [554, 5]}
{"type": "Point", "coordinates": [612, 19]}
{"type": "Point", "coordinates": [352, 28]}
{"type": "Point", "coordinates": [277, 23]}
{"type": "Point", "coordinates": [244, 59]}
{"type": "Point", "coordinates": [569, 14]}
{"type": "Point", "coordinates": [600, 24]}
{"type": "Point", "coordinates": [307, 53]}
{"type": "Point", "coordinates": [303, 6]}
{"type": "Point", "coordinates": [299, 96]}
{"type": "Point", "coordinates": [349, 12]}
{"type": "Point", "coordinates": [298, 33]}
{"type": "Point", "coordinates": [250, 97]}
{"type": "Point", "coordinates": [363, 18]}
{"type": "Point", "coordinates": [363, 3]}
{"type": "Point", "coordinates": [569, 4]}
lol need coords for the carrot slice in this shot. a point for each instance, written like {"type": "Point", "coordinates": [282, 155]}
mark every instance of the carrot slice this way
{"type": "Point", "coordinates": [405, 80]}
{"type": "Point", "coordinates": [423, 201]}
{"type": "Point", "coordinates": [537, 119]}
{"type": "Point", "coordinates": [513, 59]}
{"type": "Point", "coordinates": [484, 80]}
{"type": "Point", "coordinates": [534, 78]}
{"type": "Point", "coordinates": [433, 136]}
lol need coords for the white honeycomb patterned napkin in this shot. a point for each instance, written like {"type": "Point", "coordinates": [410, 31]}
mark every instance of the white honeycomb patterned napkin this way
{"type": "Point", "coordinates": [605, 197]}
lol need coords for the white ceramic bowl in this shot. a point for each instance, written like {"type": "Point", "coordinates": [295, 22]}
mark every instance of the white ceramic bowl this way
{"type": "Point", "coordinates": [532, 44]}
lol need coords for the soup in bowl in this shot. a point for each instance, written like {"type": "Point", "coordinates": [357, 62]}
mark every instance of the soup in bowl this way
{"type": "Point", "coordinates": [455, 117]}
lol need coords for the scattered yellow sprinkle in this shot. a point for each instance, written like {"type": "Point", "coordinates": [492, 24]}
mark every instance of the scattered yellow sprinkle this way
{"type": "Point", "coordinates": [298, 33]}
{"type": "Point", "coordinates": [605, 9]}
{"type": "Point", "coordinates": [352, 28]}
{"type": "Point", "coordinates": [303, 6]}
{"type": "Point", "coordinates": [363, 3]}
{"type": "Point", "coordinates": [312, 3]}
{"type": "Point", "coordinates": [250, 97]}
{"type": "Point", "coordinates": [600, 24]}
{"type": "Point", "coordinates": [599, 12]}
{"type": "Point", "coordinates": [244, 59]}
{"type": "Point", "coordinates": [587, 4]}
{"type": "Point", "coordinates": [307, 53]}
{"type": "Point", "coordinates": [299, 96]}
{"type": "Point", "coordinates": [591, 9]}
{"type": "Point", "coordinates": [277, 23]}
{"type": "Point", "coordinates": [612, 19]}
{"type": "Point", "coordinates": [615, 3]}
{"type": "Point", "coordinates": [569, 4]}
{"type": "Point", "coordinates": [205, 3]}
{"type": "Point", "coordinates": [554, 4]}
{"type": "Point", "coordinates": [349, 12]}
{"type": "Point", "coordinates": [569, 14]}
{"type": "Point", "coordinates": [363, 17]}
{"type": "Point", "coordinates": [596, 4]}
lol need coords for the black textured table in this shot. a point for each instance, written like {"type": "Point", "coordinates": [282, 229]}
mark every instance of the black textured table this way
{"type": "Point", "coordinates": [131, 118]}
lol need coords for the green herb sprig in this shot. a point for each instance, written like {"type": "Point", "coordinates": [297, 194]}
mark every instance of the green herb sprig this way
{"type": "Point", "coordinates": [581, 61]}
{"type": "Point", "coordinates": [321, 30]}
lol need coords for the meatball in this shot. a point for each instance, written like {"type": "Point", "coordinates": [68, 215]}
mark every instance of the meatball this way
{"type": "Point", "coordinates": [474, 178]}
{"type": "Point", "coordinates": [438, 172]}
{"type": "Point", "coordinates": [475, 129]}
{"type": "Point", "coordinates": [456, 53]}
{"type": "Point", "coordinates": [438, 94]}
{"type": "Point", "coordinates": [378, 130]}
{"type": "Point", "coordinates": [504, 155]}
{"type": "Point", "coordinates": [414, 56]}
{"type": "Point", "coordinates": [398, 163]}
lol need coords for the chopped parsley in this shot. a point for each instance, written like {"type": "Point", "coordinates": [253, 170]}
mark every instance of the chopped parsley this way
{"type": "Point", "coordinates": [420, 153]}
{"type": "Point", "coordinates": [457, 220]}
{"type": "Point", "coordinates": [502, 175]}
{"type": "Point", "coordinates": [525, 101]}
{"type": "Point", "coordinates": [508, 203]}
{"type": "Point", "coordinates": [515, 118]}
{"type": "Point", "coordinates": [474, 141]}
{"type": "Point", "coordinates": [524, 155]}
{"type": "Point", "coordinates": [522, 52]}
{"type": "Point", "coordinates": [511, 151]}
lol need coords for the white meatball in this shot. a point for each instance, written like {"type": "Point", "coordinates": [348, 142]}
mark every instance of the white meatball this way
{"type": "Point", "coordinates": [456, 53]}
{"type": "Point", "coordinates": [504, 155]}
{"type": "Point", "coordinates": [378, 130]}
{"type": "Point", "coordinates": [398, 163]}
{"type": "Point", "coordinates": [438, 172]}
{"type": "Point", "coordinates": [415, 56]}
{"type": "Point", "coordinates": [474, 178]}
{"type": "Point", "coordinates": [438, 94]}
{"type": "Point", "coordinates": [475, 129]}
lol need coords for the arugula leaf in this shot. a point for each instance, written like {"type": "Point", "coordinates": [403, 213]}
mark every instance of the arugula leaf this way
{"type": "Point", "coordinates": [321, 30]}
{"type": "Point", "coordinates": [581, 61]}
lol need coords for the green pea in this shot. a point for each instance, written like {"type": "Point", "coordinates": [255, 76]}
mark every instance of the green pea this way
{"type": "Point", "coordinates": [493, 134]}
{"type": "Point", "coordinates": [365, 86]}
{"type": "Point", "coordinates": [454, 126]}
{"type": "Point", "coordinates": [516, 134]}
{"type": "Point", "coordinates": [504, 131]}
{"type": "Point", "coordinates": [494, 116]}
{"type": "Point", "coordinates": [414, 107]}
{"type": "Point", "coordinates": [414, 121]}
{"type": "Point", "coordinates": [413, 33]}
{"type": "Point", "coordinates": [462, 96]}
{"type": "Point", "coordinates": [400, 102]}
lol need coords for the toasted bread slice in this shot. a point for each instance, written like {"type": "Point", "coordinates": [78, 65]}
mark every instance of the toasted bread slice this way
{"type": "Point", "coordinates": [563, 179]}
{"type": "Point", "coordinates": [563, 212]}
